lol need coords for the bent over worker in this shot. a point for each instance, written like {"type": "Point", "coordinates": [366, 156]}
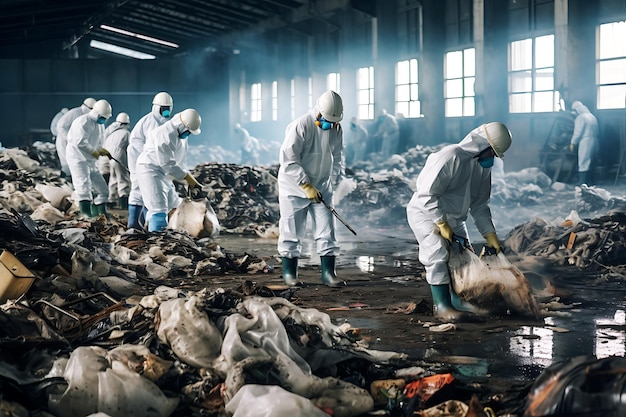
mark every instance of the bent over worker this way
{"type": "Point", "coordinates": [163, 157]}
{"type": "Point", "coordinates": [311, 159]}
{"type": "Point", "coordinates": [455, 182]}
{"type": "Point", "coordinates": [84, 147]}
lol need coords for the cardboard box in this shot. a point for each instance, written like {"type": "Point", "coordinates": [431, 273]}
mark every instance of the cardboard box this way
{"type": "Point", "coordinates": [15, 278]}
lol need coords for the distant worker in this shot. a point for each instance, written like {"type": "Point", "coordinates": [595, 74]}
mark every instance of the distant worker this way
{"type": "Point", "coordinates": [455, 182]}
{"type": "Point", "coordinates": [116, 140]}
{"type": "Point", "coordinates": [63, 127]}
{"type": "Point", "coordinates": [356, 145]}
{"type": "Point", "coordinates": [387, 134]}
{"type": "Point", "coordinates": [162, 107]}
{"type": "Point", "coordinates": [84, 146]}
{"type": "Point", "coordinates": [585, 136]}
{"type": "Point", "coordinates": [163, 158]}
{"type": "Point", "coordinates": [249, 146]}
{"type": "Point", "coordinates": [53, 124]}
{"type": "Point", "coordinates": [310, 161]}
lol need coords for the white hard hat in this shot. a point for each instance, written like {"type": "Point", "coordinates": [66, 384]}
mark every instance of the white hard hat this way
{"type": "Point", "coordinates": [330, 106]}
{"type": "Point", "coordinates": [498, 136]}
{"type": "Point", "coordinates": [163, 99]}
{"type": "Point", "coordinates": [381, 113]}
{"type": "Point", "coordinates": [191, 120]}
{"type": "Point", "coordinates": [123, 118]}
{"type": "Point", "coordinates": [89, 102]}
{"type": "Point", "coordinates": [103, 109]}
{"type": "Point", "coordinates": [354, 120]}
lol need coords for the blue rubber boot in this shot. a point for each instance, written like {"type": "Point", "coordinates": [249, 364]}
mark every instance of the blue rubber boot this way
{"type": "Point", "coordinates": [290, 271]}
{"type": "Point", "coordinates": [157, 222]}
{"type": "Point", "coordinates": [329, 275]}
{"type": "Point", "coordinates": [442, 304]}
{"type": "Point", "coordinates": [134, 211]}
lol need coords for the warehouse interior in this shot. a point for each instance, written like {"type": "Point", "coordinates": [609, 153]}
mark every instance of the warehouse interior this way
{"type": "Point", "coordinates": [290, 51]}
{"type": "Point", "coordinates": [442, 67]}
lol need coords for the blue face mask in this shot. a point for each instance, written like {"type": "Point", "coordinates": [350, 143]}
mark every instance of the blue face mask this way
{"type": "Point", "coordinates": [352, 126]}
{"type": "Point", "coordinates": [165, 111]}
{"type": "Point", "coordinates": [487, 162]}
{"type": "Point", "coordinates": [101, 120]}
{"type": "Point", "coordinates": [184, 135]}
{"type": "Point", "coordinates": [324, 124]}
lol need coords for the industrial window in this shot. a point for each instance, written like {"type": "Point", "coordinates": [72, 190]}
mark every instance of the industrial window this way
{"type": "Point", "coordinates": [365, 92]}
{"type": "Point", "coordinates": [531, 76]}
{"type": "Point", "coordinates": [407, 98]}
{"type": "Point", "coordinates": [332, 82]}
{"type": "Point", "coordinates": [459, 79]}
{"type": "Point", "coordinates": [255, 103]}
{"type": "Point", "coordinates": [274, 100]}
{"type": "Point", "coordinates": [293, 99]}
{"type": "Point", "coordinates": [611, 66]}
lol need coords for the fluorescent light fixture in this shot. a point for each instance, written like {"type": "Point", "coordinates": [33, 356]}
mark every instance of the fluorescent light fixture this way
{"type": "Point", "coordinates": [138, 36]}
{"type": "Point", "coordinates": [120, 50]}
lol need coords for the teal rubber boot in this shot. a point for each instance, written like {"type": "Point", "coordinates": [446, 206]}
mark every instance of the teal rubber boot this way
{"type": "Point", "coordinates": [134, 211]}
{"type": "Point", "coordinates": [85, 208]}
{"type": "Point", "coordinates": [290, 271]}
{"type": "Point", "coordinates": [329, 274]}
{"type": "Point", "coordinates": [101, 209]}
{"type": "Point", "coordinates": [442, 304]}
{"type": "Point", "coordinates": [461, 305]}
{"type": "Point", "coordinates": [123, 203]}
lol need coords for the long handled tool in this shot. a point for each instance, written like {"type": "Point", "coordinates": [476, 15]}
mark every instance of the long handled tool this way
{"type": "Point", "coordinates": [332, 210]}
{"type": "Point", "coordinates": [121, 164]}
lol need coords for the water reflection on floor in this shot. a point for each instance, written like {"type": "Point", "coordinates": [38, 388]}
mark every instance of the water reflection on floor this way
{"type": "Point", "coordinates": [596, 325]}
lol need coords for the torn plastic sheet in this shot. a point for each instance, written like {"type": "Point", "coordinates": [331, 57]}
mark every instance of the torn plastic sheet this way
{"type": "Point", "coordinates": [193, 337]}
{"type": "Point", "coordinates": [94, 385]}
{"type": "Point", "coordinates": [270, 401]}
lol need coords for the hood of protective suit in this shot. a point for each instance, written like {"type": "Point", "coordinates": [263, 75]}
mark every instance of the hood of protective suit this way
{"type": "Point", "coordinates": [475, 142]}
{"type": "Point", "coordinates": [157, 114]}
{"type": "Point", "coordinates": [579, 107]}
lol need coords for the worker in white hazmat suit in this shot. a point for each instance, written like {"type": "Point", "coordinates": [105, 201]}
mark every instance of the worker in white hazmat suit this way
{"type": "Point", "coordinates": [357, 143]}
{"type": "Point", "coordinates": [310, 162]}
{"type": "Point", "coordinates": [84, 147]}
{"type": "Point", "coordinates": [388, 133]}
{"type": "Point", "coordinates": [55, 120]}
{"type": "Point", "coordinates": [585, 136]}
{"type": "Point", "coordinates": [162, 107]}
{"type": "Point", "coordinates": [116, 141]}
{"type": "Point", "coordinates": [163, 159]}
{"type": "Point", "coordinates": [249, 146]}
{"type": "Point", "coordinates": [455, 182]}
{"type": "Point", "coordinates": [63, 127]}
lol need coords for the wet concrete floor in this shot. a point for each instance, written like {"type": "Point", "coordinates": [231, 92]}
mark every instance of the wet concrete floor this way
{"type": "Point", "coordinates": [383, 277]}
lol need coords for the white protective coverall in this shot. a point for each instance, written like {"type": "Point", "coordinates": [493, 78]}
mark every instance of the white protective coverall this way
{"type": "Point", "coordinates": [116, 142]}
{"type": "Point", "coordinates": [308, 154]}
{"type": "Point", "coordinates": [163, 159]}
{"type": "Point", "coordinates": [388, 133]}
{"type": "Point", "coordinates": [585, 135]}
{"type": "Point", "coordinates": [84, 137]}
{"type": "Point", "coordinates": [55, 120]}
{"type": "Point", "coordinates": [451, 185]}
{"type": "Point", "coordinates": [249, 146]}
{"type": "Point", "coordinates": [358, 142]}
{"type": "Point", "coordinates": [63, 127]}
{"type": "Point", "coordinates": [135, 146]}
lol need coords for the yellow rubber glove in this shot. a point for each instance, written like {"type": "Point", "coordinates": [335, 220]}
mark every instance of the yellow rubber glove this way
{"type": "Point", "coordinates": [445, 231]}
{"type": "Point", "coordinates": [96, 154]}
{"type": "Point", "coordinates": [193, 183]}
{"type": "Point", "coordinates": [311, 192]}
{"type": "Point", "coordinates": [104, 152]}
{"type": "Point", "coordinates": [493, 242]}
{"type": "Point", "coordinates": [572, 147]}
